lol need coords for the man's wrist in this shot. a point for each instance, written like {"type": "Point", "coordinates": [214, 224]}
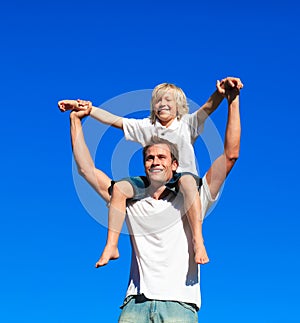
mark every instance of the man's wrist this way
{"type": "Point", "coordinates": [233, 100]}
{"type": "Point", "coordinates": [74, 117]}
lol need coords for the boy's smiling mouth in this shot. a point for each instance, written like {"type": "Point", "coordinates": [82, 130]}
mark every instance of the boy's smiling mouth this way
{"type": "Point", "coordinates": [163, 109]}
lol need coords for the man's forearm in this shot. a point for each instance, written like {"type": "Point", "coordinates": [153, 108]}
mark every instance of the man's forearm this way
{"type": "Point", "coordinates": [85, 164]}
{"type": "Point", "coordinates": [222, 165]}
{"type": "Point", "coordinates": [106, 117]}
{"type": "Point", "coordinates": [81, 153]}
{"type": "Point", "coordinates": [233, 131]}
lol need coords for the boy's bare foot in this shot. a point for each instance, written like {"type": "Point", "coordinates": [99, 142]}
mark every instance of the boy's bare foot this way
{"type": "Point", "coordinates": [201, 256]}
{"type": "Point", "coordinates": [77, 105]}
{"type": "Point", "coordinates": [109, 253]}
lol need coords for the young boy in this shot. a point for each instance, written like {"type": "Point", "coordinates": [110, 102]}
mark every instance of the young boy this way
{"type": "Point", "coordinates": [169, 119]}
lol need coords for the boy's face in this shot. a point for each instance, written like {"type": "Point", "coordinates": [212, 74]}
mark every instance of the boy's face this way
{"type": "Point", "coordinates": [165, 108]}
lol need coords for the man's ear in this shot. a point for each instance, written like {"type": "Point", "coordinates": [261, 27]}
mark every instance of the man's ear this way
{"type": "Point", "coordinates": [174, 165]}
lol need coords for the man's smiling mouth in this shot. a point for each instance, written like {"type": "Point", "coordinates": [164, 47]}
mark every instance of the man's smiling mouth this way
{"type": "Point", "coordinates": [155, 170]}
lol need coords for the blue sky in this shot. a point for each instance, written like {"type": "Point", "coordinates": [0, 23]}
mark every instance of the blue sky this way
{"type": "Point", "coordinates": [101, 50]}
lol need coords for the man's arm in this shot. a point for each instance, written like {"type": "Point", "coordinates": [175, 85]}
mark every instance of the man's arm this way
{"type": "Point", "coordinates": [97, 113]}
{"type": "Point", "coordinates": [222, 165]}
{"type": "Point", "coordinates": [85, 164]}
{"type": "Point", "coordinates": [217, 97]}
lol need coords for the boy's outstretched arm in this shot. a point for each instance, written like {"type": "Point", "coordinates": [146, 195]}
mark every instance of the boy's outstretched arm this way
{"type": "Point", "coordinates": [97, 113]}
{"type": "Point", "coordinates": [85, 164]}
{"type": "Point", "coordinates": [217, 97]}
{"type": "Point", "coordinates": [107, 118]}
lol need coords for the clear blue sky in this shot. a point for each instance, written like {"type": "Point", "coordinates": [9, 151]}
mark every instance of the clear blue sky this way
{"type": "Point", "coordinates": [97, 50]}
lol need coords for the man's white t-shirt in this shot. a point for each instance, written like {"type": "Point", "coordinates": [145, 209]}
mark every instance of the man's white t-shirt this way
{"type": "Point", "coordinates": [182, 133]}
{"type": "Point", "coordinates": [163, 266]}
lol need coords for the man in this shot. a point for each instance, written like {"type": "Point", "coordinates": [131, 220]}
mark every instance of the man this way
{"type": "Point", "coordinates": [164, 284]}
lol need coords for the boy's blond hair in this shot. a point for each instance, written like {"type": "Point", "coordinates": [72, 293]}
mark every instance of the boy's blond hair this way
{"type": "Point", "coordinates": [180, 98]}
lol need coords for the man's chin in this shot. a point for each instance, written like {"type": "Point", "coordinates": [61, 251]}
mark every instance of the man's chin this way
{"type": "Point", "coordinates": [156, 178]}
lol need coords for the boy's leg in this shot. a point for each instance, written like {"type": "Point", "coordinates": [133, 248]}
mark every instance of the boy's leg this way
{"type": "Point", "coordinates": [188, 187]}
{"type": "Point", "coordinates": [120, 193]}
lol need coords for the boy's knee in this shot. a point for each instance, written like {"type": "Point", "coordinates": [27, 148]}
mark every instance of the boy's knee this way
{"type": "Point", "coordinates": [187, 181]}
{"type": "Point", "coordinates": [122, 189]}
{"type": "Point", "coordinates": [188, 185]}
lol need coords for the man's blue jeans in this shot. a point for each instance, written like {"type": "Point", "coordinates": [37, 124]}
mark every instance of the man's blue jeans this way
{"type": "Point", "coordinates": [139, 309]}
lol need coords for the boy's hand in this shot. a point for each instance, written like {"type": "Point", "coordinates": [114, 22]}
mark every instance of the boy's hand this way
{"type": "Point", "coordinates": [77, 105]}
{"type": "Point", "coordinates": [230, 87]}
{"type": "Point", "coordinates": [228, 84]}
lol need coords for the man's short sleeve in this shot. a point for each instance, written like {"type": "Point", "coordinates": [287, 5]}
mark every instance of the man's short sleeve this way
{"type": "Point", "coordinates": [206, 199]}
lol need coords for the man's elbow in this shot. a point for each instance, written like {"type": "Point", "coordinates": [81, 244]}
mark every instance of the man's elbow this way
{"type": "Point", "coordinates": [232, 154]}
{"type": "Point", "coordinates": [83, 172]}
{"type": "Point", "coordinates": [232, 158]}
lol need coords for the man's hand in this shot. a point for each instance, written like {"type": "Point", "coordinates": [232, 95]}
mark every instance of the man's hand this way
{"type": "Point", "coordinates": [229, 87]}
{"type": "Point", "coordinates": [228, 83]}
{"type": "Point", "coordinates": [80, 114]}
{"type": "Point", "coordinates": [77, 105]}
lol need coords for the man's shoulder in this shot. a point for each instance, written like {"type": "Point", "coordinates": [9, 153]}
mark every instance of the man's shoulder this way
{"type": "Point", "coordinates": [173, 183]}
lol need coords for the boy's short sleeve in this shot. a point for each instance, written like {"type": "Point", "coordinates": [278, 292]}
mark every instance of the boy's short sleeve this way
{"type": "Point", "coordinates": [196, 128]}
{"type": "Point", "coordinates": [138, 130]}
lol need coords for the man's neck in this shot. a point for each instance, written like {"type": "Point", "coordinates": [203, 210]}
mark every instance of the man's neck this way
{"type": "Point", "coordinates": [157, 192]}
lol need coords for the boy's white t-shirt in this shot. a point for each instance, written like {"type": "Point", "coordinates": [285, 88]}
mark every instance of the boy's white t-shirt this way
{"type": "Point", "coordinates": [162, 265]}
{"type": "Point", "coordinates": [181, 132]}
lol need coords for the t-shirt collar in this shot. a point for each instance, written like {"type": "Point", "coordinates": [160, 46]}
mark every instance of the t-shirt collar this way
{"type": "Point", "coordinates": [173, 125]}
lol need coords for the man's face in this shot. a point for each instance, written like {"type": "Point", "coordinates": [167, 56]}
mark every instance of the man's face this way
{"type": "Point", "coordinates": [159, 166]}
{"type": "Point", "coordinates": [165, 108]}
